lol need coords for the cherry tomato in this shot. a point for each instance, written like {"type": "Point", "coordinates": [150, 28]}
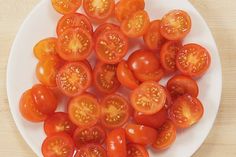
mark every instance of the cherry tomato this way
{"type": "Point", "coordinates": [111, 46]}
{"type": "Point", "coordinates": [116, 143]}
{"type": "Point", "coordinates": [153, 38]}
{"type": "Point", "coordinates": [95, 134]}
{"type": "Point", "coordinates": [136, 150]}
{"type": "Point", "coordinates": [103, 28]}
{"type": "Point", "coordinates": [180, 85]}
{"type": "Point", "coordinates": [166, 136]}
{"type": "Point", "coordinates": [168, 55]}
{"type": "Point", "coordinates": [156, 75]}
{"type": "Point", "coordinates": [140, 134]}
{"type": "Point", "coordinates": [28, 108]}
{"type": "Point", "coordinates": [126, 76]}
{"type": "Point", "coordinates": [99, 10]}
{"type": "Point", "coordinates": [186, 111]}
{"type": "Point", "coordinates": [74, 44]}
{"type": "Point", "coordinates": [66, 6]}
{"type": "Point", "coordinates": [169, 100]}
{"type": "Point", "coordinates": [156, 120]}
{"type": "Point", "coordinates": [91, 150]}
{"type": "Point", "coordinates": [105, 79]}
{"type": "Point", "coordinates": [74, 20]}
{"type": "Point", "coordinates": [58, 122]}
{"type": "Point", "coordinates": [136, 25]}
{"type": "Point", "coordinates": [193, 60]}
{"type": "Point", "coordinates": [148, 98]}
{"type": "Point", "coordinates": [58, 145]}
{"type": "Point", "coordinates": [175, 25]}
{"type": "Point", "coordinates": [45, 48]}
{"type": "Point", "coordinates": [73, 78]}
{"type": "Point", "coordinates": [125, 8]}
{"type": "Point", "coordinates": [84, 110]}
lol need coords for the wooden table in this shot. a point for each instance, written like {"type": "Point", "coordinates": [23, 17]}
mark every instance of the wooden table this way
{"type": "Point", "coordinates": [221, 17]}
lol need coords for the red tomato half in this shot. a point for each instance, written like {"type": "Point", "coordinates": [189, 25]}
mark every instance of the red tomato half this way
{"type": "Point", "coordinates": [136, 150]}
{"type": "Point", "coordinates": [91, 150]}
{"type": "Point", "coordinates": [103, 28]}
{"type": "Point", "coordinates": [156, 75]}
{"type": "Point", "coordinates": [66, 6]}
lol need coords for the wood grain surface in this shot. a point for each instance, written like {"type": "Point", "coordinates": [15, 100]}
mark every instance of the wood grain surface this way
{"type": "Point", "coordinates": [221, 18]}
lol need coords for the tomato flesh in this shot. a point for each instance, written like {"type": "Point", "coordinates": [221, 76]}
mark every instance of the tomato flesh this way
{"type": "Point", "coordinates": [91, 150]}
{"type": "Point", "coordinates": [156, 75]}
{"type": "Point", "coordinates": [66, 6]}
{"type": "Point", "coordinates": [136, 150]}
{"type": "Point", "coordinates": [103, 28]}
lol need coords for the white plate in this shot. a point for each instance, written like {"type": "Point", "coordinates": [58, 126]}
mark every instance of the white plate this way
{"type": "Point", "coordinates": [41, 23]}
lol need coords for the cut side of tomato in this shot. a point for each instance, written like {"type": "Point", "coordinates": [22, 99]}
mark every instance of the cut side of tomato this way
{"type": "Point", "coordinates": [193, 60]}
{"type": "Point", "coordinates": [103, 28]}
{"type": "Point", "coordinates": [91, 150]}
{"type": "Point", "coordinates": [84, 110]}
{"type": "Point", "coordinates": [66, 6]}
{"type": "Point", "coordinates": [186, 111]}
{"type": "Point", "coordinates": [136, 150]}
{"type": "Point", "coordinates": [73, 78]}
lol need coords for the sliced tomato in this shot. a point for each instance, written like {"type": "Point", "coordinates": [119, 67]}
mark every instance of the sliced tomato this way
{"type": "Point", "coordinates": [136, 25]}
{"type": "Point", "coordinates": [74, 20]}
{"type": "Point", "coordinates": [58, 145]}
{"type": "Point", "coordinates": [156, 75]}
{"type": "Point", "coordinates": [95, 134]}
{"type": "Point", "coordinates": [111, 46]}
{"type": "Point", "coordinates": [126, 76]}
{"type": "Point", "coordinates": [28, 108]}
{"type": "Point", "coordinates": [115, 111]}
{"type": "Point", "coordinates": [99, 10]}
{"type": "Point", "coordinates": [91, 150]}
{"type": "Point", "coordinates": [84, 110]}
{"type": "Point", "coordinates": [168, 55]}
{"type": "Point", "coordinates": [125, 8]}
{"type": "Point", "coordinates": [169, 100]}
{"type": "Point", "coordinates": [105, 79]}
{"type": "Point", "coordinates": [136, 150]}
{"type": "Point", "coordinates": [58, 122]}
{"type": "Point", "coordinates": [175, 25]}
{"type": "Point", "coordinates": [116, 143]}
{"type": "Point", "coordinates": [66, 6]}
{"type": "Point", "coordinates": [73, 78]}
{"type": "Point", "coordinates": [148, 98]}
{"type": "Point", "coordinates": [74, 44]}
{"type": "Point", "coordinates": [45, 48]}
{"type": "Point", "coordinates": [193, 60]}
{"type": "Point", "coordinates": [186, 111]}
{"type": "Point", "coordinates": [166, 136]}
{"type": "Point", "coordinates": [180, 85]}
{"type": "Point", "coordinates": [103, 28]}
{"type": "Point", "coordinates": [140, 134]}
{"type": "Point", "coordinates": [153, 38]}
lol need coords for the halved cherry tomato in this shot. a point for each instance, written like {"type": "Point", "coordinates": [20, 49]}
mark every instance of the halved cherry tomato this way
{"type": "Point", "coordinates": [58, 122]}
{"type": "Point", "coordinates": [193, 60]}
{"type": "Point", "coordinates": [140, 134]}
{"type": "Point", "coordinates": [126, 76]}
{"type": "Point", "coordinates": [115, 111]}
{"type": "Point", "coordinates": [125, 8]}
{"type": "Point", "coordinates": [175, 25]}
{"type": "Point", "coordinates": [45, 48]}
{"type": "Point", "coordinates": [148, 98]}
{"type": "Point", "coordinates": [168, 55]}
{"type": "Point", "coordinates": [111, 46]}
{"type": "Point", "coordinates": [95, 134]}
{"type": "Point", "coordinates": [180, 85]}
{"type": "Point", "coordinates": [104, 27]}
{"type": "Point", "coordinates": [136, 150]}
{"type": "Point", "coordinates": [156, 75]}
{"type": "Point", "coordinates": [73, 78]}
{"type": "Point", "coordinates": [74, 20]}
{"type": "Point", "coordinates": [91, 150]}
{"type": "Point", "coordinates": [186, 111]}
{"type": "Point", "coordinates": [84, 110]}
{"type": "Point", "coordinates": [156, 120]}
{"type": "Point", "coordinates": [169, 100]}
{"type": "Point", "coordinates": [99, 10]}
{"type": "Point", "coordinates": [58, 145]}
{"type": "Point", "coordinates": [105, 79]}
{"type": "Point", "coordinates": [66, 6]}
{"type": "Point", "coordinates": [28, 108]}
{"type": "Point", "coordinates": [116, 143]}
{"type": "Point", "coordinates": [153, 38]}
{"type": "Point", "coordinates": [136, 25]}
{"type": "Point", "coordinates": [166, 136]}
{"type": "Point", "coordinates": [74, 44]}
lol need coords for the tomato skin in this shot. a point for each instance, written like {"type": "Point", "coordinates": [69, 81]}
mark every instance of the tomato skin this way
{"type": "Point", "coordinates": [91, 150]}
{"type": "Point", "coordinates": [155, 121]}
{"type": "Point", "coordinates": [104, 27]}
{"type": "Point", "coordinates": [136, 150]}
{"type": "Point", "coordinates": [65, 6]}
{"type": "Point", "coordinates": [28, 110]}
{"type": "Point", "coordinates": [58, 145]}
{"type": "Point", "coordinates": [116, 143]}
{"type": "Point", "coordinates": [140, 134]}
{"type": "Point", "coordinates": [196, 57]}
{"type": "Point", "coordinates": [156, 75]}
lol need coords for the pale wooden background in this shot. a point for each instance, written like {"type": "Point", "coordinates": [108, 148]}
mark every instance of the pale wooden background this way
{"type": "Point", "coordinates": [221, 17]}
